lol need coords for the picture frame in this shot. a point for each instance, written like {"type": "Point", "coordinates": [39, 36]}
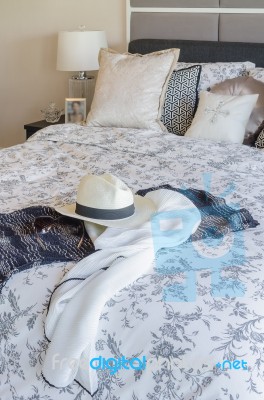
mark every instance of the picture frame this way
{"type": "Point", "coordinates": [75, 110]}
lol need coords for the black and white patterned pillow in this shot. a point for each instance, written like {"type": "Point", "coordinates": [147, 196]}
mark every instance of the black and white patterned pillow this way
{"type": "Point", "coordinates": [260, 140]}
{"type": "Point", "coordinates": [181, 99]}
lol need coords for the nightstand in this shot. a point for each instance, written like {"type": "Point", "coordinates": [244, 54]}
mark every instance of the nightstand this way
{"type": "Point", "coordinates": [36, 126]}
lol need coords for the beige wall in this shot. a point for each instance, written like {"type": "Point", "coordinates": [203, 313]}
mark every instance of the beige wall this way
{"type": "Point", "coordinates": [28, 40]}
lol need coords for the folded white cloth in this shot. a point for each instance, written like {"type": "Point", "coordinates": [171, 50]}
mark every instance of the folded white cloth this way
{"type": "Point", "coordinates": [77, 303]}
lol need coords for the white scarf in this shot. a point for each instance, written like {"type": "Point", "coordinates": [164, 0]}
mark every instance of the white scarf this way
{"type": "Point", "coordinates": [76, 305]}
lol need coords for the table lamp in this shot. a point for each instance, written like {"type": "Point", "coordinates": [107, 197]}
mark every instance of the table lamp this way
{"type": "Point", "coordinates": [78, 52]}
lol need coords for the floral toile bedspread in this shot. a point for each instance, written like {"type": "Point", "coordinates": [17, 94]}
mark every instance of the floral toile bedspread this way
{"type": "Point", "coordinates": [185, 342]}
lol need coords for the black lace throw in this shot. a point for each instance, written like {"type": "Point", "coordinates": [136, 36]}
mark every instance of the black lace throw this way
{"type": "Point", "coordinates": [22, 248]}
{"type": "Point", "coordinates": [217, 217]}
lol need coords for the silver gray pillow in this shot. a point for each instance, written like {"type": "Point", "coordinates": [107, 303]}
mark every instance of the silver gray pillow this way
{"type": "Point", "coordinates": [241, 86]}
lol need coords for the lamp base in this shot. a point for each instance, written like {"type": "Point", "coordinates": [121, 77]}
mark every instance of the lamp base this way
{"type": "Point", "coordinates": [81, 75]}
{"type": "Point", "coordinates": [83, 88]}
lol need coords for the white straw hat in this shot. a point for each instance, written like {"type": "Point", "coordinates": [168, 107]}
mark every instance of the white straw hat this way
{"type": "Point", "coordinates": [106, 200]}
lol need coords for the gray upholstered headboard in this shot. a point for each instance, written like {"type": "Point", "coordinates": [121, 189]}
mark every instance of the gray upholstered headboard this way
{"type": "Point", "coordinates": [216, 20]}
{"type": "Point", "coordinates": [204, 30]}
{"type": "Point", "coordinates": [203, 51]}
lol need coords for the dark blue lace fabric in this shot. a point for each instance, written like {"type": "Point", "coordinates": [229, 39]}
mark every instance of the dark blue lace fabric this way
{"type": "Point", "coordinates": [217, 217]}
{"type": "Point", "coordinates": [20, 248]}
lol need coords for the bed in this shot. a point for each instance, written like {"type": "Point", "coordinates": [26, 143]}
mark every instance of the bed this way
{"type": "Point", "coordinates": [185, 342]}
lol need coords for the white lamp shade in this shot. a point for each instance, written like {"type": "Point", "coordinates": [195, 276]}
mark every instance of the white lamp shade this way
{"type": "Point", "coordinates": [78, 50]}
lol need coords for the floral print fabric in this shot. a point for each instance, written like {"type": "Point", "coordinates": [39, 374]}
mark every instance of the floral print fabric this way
{"type": "Point", "coordinates": [182, 341]}
{"type": "Point", "coordinates": [213, 73]}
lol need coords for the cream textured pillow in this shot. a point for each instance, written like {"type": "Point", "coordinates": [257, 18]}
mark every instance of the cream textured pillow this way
{"type": "Point", "coordinates": [222, 117]}
{"type": "Point", "coordinates": [130, 89]}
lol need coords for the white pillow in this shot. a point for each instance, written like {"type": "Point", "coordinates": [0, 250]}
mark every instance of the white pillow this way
{"type": "Point", "coordinates": [130, 89]}
{"type": "Point", "coordinates": [213, 73]}
{"type": "Point", "coordinates": [257, 73]}
{"type": "Point", "coordinates": [222, 117]}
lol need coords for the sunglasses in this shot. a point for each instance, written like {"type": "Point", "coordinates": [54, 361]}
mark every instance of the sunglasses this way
{"type": "Point", "coordinates": [44, 224]}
